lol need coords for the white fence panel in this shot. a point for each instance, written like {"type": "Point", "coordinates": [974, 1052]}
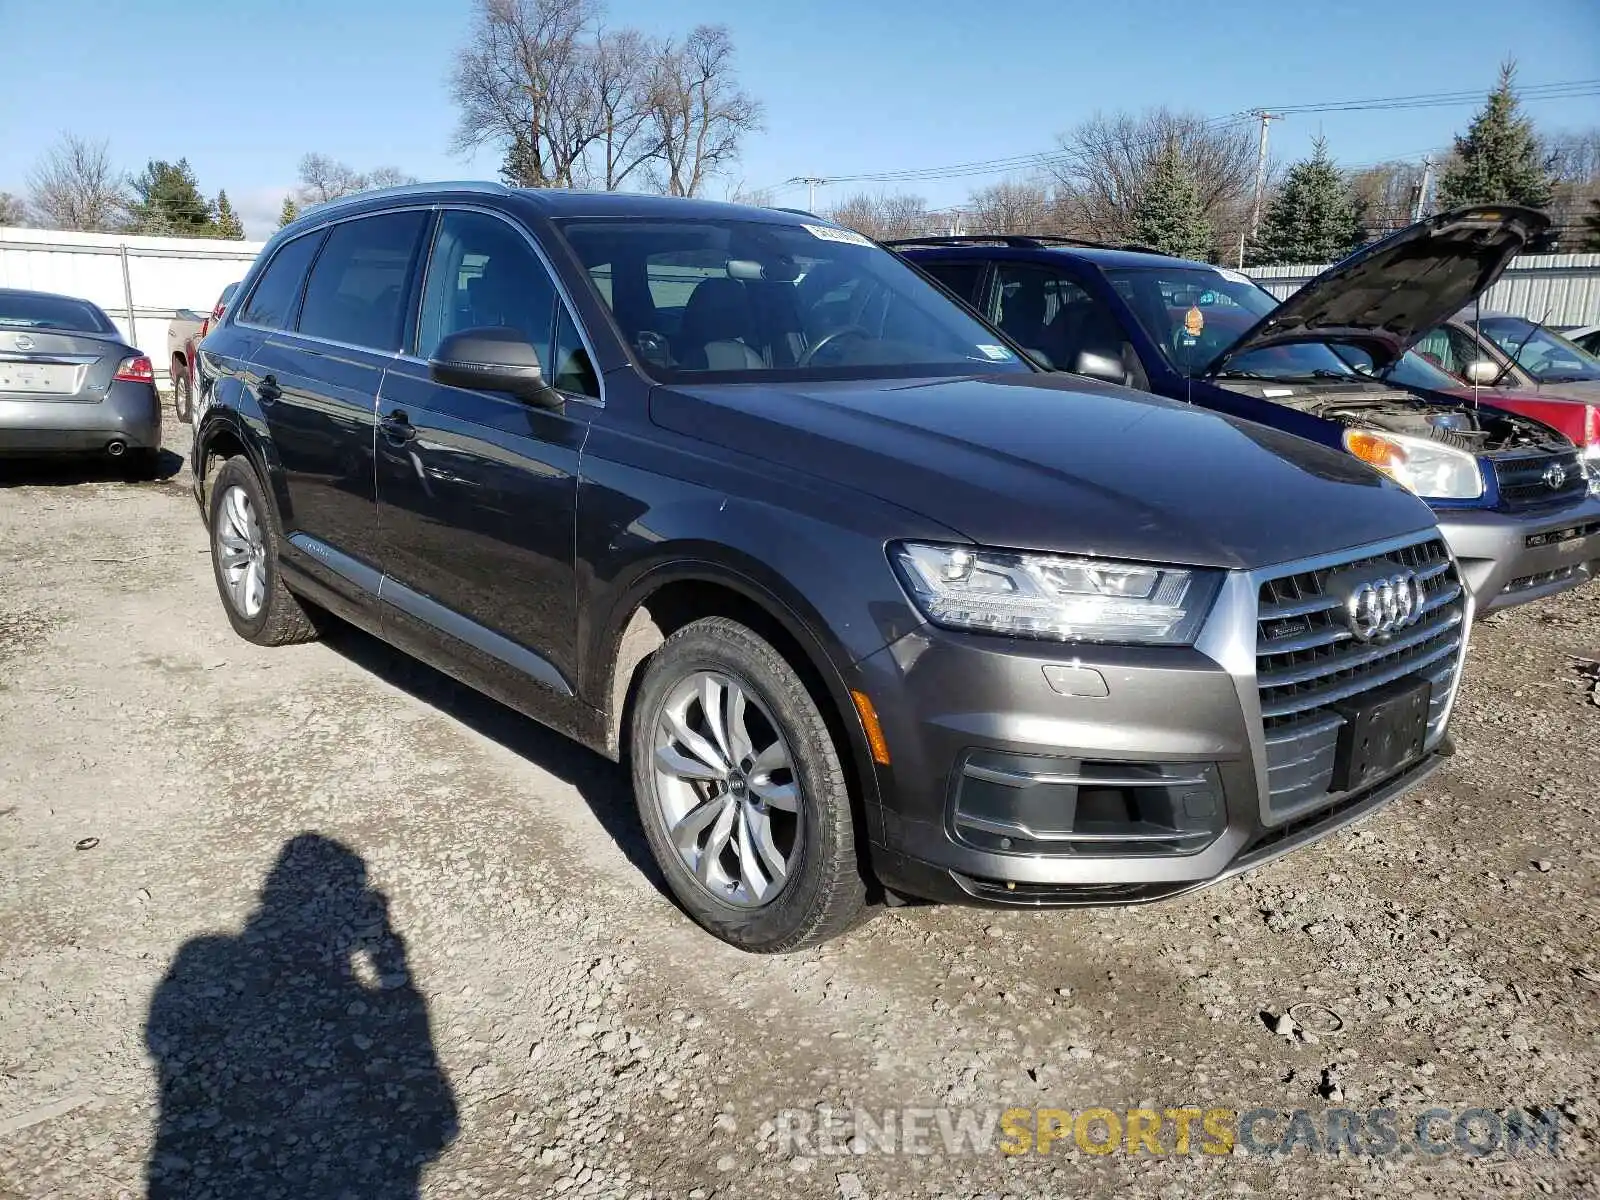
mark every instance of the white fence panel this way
{"type": "Point", "coordinates": [1558, 289]}
{"type": "Point", "coordinates": [139, 281]}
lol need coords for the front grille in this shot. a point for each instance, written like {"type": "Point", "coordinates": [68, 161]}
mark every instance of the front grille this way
{"type": "Point", "coordinates": [1526, 480]}
{"type": "Point", "coordinates": [1307, 661]}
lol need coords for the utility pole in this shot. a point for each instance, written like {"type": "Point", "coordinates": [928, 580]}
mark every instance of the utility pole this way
{"type": "Point", "coordinates": [1422, 188]}
{"type": "Point", "coordinates": [811, 182]}
{"type": "Point", "coordinates": [1266, 119]}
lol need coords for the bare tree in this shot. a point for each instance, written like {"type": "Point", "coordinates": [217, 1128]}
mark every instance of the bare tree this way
{"type": "Point", "coordinates": [1575, 160]}
{"type": "Point", "coordinates": [1386, 195]}
{"type": "Point", "coordinates": [323, 179]}
{"type": "Point", "coordinates": [886, 216]}
{"type": "Point", "coordinates": [524, 83]}
{"type": "Point", "coordinates": [619, 80]}
{"type": "Point", "coordinates": [700, 112]}
{"type": "Point", "coordinates": [75, 187]}
{"type": "Point", "coordinates": [1105, 164]}
{"type": "Point", "coordinates": [1012, 206]}
{"type": "Point", "coordinates": [12, 210]}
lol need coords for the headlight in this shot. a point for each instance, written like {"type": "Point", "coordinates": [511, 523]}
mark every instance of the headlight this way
{"type": "Point", "coordinates": [1056, 597]}
{"type": "Point", "coordinates": [1428, 468]}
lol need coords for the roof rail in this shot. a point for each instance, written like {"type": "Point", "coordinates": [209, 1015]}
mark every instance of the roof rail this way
{"type": "Point", "coordinates": [1022, 241]}
{"type": "Point", "coordinates": [408, 189]}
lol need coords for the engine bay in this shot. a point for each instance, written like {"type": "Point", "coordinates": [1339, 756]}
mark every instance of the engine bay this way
{"type": "Point", "coordinates": [1477, 429]}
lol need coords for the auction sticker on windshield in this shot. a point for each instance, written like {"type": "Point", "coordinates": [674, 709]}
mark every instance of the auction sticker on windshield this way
{"type": "Point", "coordinates": [996, 353]}
{"type": "Point", "coordinates": [829, 234]}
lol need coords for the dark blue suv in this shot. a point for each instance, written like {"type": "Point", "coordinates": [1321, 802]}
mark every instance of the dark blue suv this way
{"type": "Point", "coordinates": [1512, 495]}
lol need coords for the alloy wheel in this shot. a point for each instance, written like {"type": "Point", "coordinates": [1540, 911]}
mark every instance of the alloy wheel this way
{"type": "Point", "coordinates": [241, 552]}
{"type": "Point", "coordinates": [726, 787]}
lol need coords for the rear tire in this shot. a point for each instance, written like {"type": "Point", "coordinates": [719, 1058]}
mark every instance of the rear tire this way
{"type": "Point", "coordinates": [244, 560]}
{"type": "Point", "coordinates": [741, 791]}
{"type": "Point", "coordinates": [182, 394]}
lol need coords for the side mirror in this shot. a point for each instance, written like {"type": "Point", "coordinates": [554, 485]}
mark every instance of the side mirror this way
{"type": "Point", "coordinates": [1100, 366]}
{"type": "Point", "coordinates": [1481, 372]}
{"type": "Point", "coordinates": [492, 359]}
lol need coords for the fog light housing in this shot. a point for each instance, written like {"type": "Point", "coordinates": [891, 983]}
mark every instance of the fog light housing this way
{"type": "Point", "coordinates": [1029, 804]}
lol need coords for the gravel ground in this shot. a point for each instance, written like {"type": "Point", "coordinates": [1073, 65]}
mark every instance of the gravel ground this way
{"type": "Point", "coordinates": [376, 933]}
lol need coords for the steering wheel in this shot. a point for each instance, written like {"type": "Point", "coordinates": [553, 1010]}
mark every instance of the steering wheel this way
{"type": "Point", "coordinates": [843, 331]}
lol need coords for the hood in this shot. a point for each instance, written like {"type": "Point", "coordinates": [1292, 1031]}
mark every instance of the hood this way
{"type": "Point", "coordinates": [1051, 462]}
{"type": "Point", "coordinates": [1386, 297]}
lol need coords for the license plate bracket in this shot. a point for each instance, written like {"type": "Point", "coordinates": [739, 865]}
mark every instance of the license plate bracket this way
{"type": "Point", "coordinates": [1383, 730]}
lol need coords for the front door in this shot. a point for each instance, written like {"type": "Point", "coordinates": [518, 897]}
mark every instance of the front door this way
{"type": "Point", "coordinates": [477, 490]}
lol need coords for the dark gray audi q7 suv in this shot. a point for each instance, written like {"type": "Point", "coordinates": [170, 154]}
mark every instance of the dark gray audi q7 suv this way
{"type": "Point", "coordinates": [864, 599]}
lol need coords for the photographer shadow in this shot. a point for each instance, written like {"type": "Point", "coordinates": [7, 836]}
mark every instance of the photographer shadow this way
{"type": "Point", "coordinates": [296, 1059]}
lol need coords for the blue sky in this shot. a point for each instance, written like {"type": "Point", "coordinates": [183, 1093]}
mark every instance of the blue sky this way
{"type": "Point", "coordinates": [243, 88]}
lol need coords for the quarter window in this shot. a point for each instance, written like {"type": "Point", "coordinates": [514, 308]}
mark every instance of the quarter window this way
{"type": "Point", "coordinates": [357, 290]}
{"type": "Point", "coordinates": [483, 274]}
{"type": "Point", "coordinates": [572, 371]}
{"type": "Point", "coordinates": [273, 301]}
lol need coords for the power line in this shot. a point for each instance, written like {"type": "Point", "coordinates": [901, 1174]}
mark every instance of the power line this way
{"type": "Point", "coordinates": [1559, 90]}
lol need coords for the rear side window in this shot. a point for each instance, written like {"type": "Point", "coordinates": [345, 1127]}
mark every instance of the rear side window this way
{"type": "Point", "coordinates": [357, 290]}
{"type": "Point", "coordinates": [272, 303]}
{"type": "Point", "coordinates": [960, 277]}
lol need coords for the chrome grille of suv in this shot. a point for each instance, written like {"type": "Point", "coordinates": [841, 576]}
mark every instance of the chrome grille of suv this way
{"type": "Point", "coordinates": [1307, 659]}
{"type": "Point", "coordinates": [1522, 480]}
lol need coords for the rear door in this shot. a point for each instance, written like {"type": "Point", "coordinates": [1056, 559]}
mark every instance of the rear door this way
{"type": "Point", "coordinates": [317, 381]}
{"type": "Point", "coordinates": [477, 490]}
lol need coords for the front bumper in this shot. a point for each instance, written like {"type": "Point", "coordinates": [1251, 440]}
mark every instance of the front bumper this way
{"type": "Point", "coordinates": [1511, 558]}
{"type": "Point", "coordinates": [129, 412]}
{"type": "Point", "coordinates": [1066, 727]}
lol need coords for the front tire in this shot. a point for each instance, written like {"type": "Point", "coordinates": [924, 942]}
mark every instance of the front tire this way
{"type": "Point", "coordinates": [244, 559]}
{"type": "Point", "coordinates": [742, 793]}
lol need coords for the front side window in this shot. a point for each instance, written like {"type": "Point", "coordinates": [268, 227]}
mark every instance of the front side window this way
{"type": "Point", "coordinates": [273, 301]}
{"type": "Point", "coordinates": [571, 370]}
{"type": "Point", "coordinates": [699, 299]}
{"type": "Point", "coordinates": [962, 278]}
{"type": "Point", "coordinates": [483, 274]}
{"type": "Point", "coordinates": [1546, 356]}
{"type": "Point", "coordinates": [1043, 310]}
{"type": "Point", "coordinates": [1195, 313]}
{"type": "Point", "coordinates": [357, 290]}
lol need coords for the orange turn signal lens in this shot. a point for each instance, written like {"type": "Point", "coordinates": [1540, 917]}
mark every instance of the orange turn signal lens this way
{"type": "Point", "coordinates": [869, 722]}
{"type": "Point", "coordinates": [1374, 448]}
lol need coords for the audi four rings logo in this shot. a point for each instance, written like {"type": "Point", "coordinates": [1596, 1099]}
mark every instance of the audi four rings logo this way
{"type": "Point", "coordinates": [1554, 476]}
{"type": "Point", "coordinates": [1378, 606]}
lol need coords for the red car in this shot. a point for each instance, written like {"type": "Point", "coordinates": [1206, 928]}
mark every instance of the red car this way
{"type": "Point", "coordinates": [1578, 419]}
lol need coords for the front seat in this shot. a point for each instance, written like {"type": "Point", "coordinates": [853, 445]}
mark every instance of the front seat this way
{"type": "Point", "coordinates": [715, 329]}
{"type": "Point", "coordinates": [1022, 317]}
{"type": "Point", "coordinates": [498, 298]}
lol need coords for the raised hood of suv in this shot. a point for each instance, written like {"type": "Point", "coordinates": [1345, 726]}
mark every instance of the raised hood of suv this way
{"type": "Point", "coordinates": [1051, 462]}
{"type": "Point", "coordinates": [1386, 297]}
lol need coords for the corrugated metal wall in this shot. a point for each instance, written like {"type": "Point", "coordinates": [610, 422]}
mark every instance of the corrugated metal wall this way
{"type": "Point", "coordinates": [156, 276]}
{"type": "Point", "coordinates": [1564, 286]}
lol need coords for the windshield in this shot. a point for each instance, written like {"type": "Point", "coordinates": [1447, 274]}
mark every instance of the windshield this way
{"type": "Point", "coordinates": [1411, 371]}
{"type": "Point", "coordinates": [1548, 357]}
{"type": "Point", "coordinates": [730, 299]}
{"type": "Point", "coordinates": [1195, 313]}
{"type": "Point", "coordinates": [20, 310]}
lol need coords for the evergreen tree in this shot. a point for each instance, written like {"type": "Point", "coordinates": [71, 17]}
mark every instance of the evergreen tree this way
{"type": "Point", "coordinates": [1168, 215]}
{"type": "Point", "coordinates": [521, 167]}
{"type": "Point", "coordinates": [289, 213]}
{"type": "Point", "coordinates": [1499, 161]}
{"type": "Point", "coordinates": [1591, 227]}
{"type": "Point", "coordinates": [228, 223]}
{"type": "Point", "coordinates": [1313, 218]}
{"type": "Point", "coordinates": [168, 201]}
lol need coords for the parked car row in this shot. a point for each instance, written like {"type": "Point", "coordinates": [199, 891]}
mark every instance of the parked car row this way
{"type": "Point", "coordinates": [872, 598]}
{"type": "Point", "coordinates": [869, 600]}
{"type": "Point", "coordinates": [1331, 363]}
